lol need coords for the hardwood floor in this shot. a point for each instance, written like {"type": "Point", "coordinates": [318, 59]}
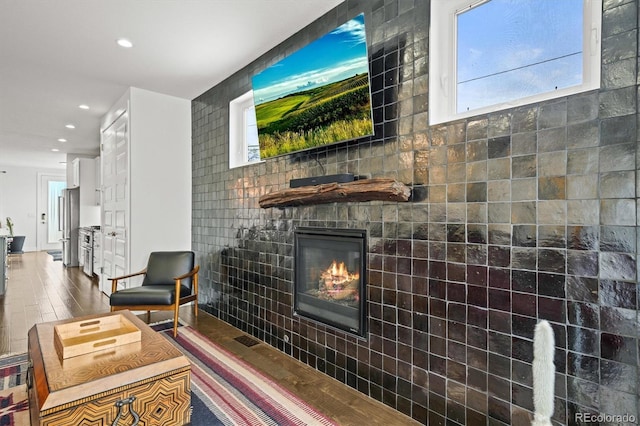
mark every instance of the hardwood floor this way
{"type": "Point", "coordinates": [41, 290]}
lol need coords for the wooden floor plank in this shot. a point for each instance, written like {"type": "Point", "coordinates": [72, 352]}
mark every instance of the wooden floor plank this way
{"type": "Point", "coordinates": [40, 289]}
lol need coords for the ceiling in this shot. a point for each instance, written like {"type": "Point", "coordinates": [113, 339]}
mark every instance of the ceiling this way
{"type": "Point", "coordinates": [57, 55]}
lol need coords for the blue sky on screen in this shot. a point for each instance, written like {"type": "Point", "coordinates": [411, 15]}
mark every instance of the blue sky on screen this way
{"type": "Point", "coordinates": [337, 55]}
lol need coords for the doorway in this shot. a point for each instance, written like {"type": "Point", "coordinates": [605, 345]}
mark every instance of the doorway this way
{"type": "Point", "coordinates": [49, 231]}
{"type": "Point", "coordinates": [115, 202]}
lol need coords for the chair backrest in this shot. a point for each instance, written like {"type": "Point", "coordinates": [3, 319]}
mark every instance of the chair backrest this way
{"type": "Point", "coordinates": [164, 266]}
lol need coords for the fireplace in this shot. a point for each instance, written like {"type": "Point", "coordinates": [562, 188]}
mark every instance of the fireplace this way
{"type": "Point", "coordinates": [330, 277]}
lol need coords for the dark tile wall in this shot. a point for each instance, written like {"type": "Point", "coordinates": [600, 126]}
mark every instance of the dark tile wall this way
{"type": "Point", "coordinates": [516, 216]}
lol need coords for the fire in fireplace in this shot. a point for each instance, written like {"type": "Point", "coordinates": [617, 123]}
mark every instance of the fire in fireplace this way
{"type": "Point", "coordinates": [330, 276]}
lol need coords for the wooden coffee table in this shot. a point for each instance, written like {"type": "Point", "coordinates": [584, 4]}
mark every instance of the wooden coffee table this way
{"type": "Point", "coordinates": [149, 379]}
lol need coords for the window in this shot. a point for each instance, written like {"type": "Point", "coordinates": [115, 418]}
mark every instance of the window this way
{"type": "Point", "coordinates": [496, 54]}
{"type": "Point", "coordinates": [243, 132]}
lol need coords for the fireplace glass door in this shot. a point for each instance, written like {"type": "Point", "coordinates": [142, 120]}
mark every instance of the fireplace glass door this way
{"type": "Point", "coordinates": [330, 277]}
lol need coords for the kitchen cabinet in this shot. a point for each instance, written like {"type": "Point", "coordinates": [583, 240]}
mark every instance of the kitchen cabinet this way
{"type": "Point", "coordinates": [145, 180]}
{"type": "Point", "coordinates": [98, 179]}
{"type": "Point", "coordinates": [75, 173]}
{"type": "Point", "coordinates": [83, 173]}
{"type": "Point", "coordinates": [83, 176]}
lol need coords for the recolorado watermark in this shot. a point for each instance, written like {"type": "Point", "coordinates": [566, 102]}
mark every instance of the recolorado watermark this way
{"type": "Point", "coordinates": [606, 418]}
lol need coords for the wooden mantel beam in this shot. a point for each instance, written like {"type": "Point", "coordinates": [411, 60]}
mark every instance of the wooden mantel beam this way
{"type": "Point", "coordinates": [376, 189]}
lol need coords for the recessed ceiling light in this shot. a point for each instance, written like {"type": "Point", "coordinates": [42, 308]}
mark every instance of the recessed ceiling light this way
{"type": "Point", "coordinates": [83, 106]}
{"type": "Point", "coordinates": [62, 140]}
{"type": "Point", "coordinates": [55, 149]}
{"type": "Point", "coordinates": [70, 126]}
{"type": "Point", "coordinates": [123, 42]}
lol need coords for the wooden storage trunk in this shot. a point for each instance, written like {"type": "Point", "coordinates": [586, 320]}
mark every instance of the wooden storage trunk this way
{"type": "Point", "coordinates": [149, 379]}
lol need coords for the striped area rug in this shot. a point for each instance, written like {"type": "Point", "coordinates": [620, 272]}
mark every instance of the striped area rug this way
{"type": "Point", "coordinates": [13, 370]}
{"type": "Point", "coordinates": [235, 392]}
{"type": "Point", "coordinates": [14, 400]}
{"type": "Point", "coordinates": [225, 390]}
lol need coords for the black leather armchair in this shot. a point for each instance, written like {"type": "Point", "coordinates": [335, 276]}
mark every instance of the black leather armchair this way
{"type": "Point", "coordinates": [170, 280]}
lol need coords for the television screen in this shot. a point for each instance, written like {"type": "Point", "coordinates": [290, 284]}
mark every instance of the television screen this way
{"type": "Point", "coordinates": [317, 96]}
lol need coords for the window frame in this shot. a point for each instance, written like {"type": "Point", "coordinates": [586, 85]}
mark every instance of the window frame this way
{"type": "Point", "coordinates": [443, 53]}
{"type": "Point", "coordinates": [238, 146]}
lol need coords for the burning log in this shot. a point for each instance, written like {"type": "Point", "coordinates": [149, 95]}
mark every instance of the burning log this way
{"type": "Point", "coordinates": [377, 189]}
{"type": "Point", "coordinates": [337, 283]}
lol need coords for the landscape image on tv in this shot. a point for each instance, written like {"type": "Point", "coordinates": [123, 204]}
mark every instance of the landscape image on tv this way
{"type": "Point", "coordinates": [317, 96]}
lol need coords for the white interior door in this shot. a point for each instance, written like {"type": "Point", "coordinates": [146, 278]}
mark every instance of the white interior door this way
{"type": "Point", "coordinates": [115, 141]}
{"type": "Point", "coordinates": [48, 231]}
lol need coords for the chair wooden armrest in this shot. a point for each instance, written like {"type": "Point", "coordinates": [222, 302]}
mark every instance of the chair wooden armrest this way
{"type": "Point", "coordinates": [114, 281]}
{"type": "Point", "coordinates": [191, 273]}
{"type": "Point", "coordinates": [144, 271]}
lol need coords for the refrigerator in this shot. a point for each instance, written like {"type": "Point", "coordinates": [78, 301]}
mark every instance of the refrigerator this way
{"type": "Point", "coordinates": [69, 205]}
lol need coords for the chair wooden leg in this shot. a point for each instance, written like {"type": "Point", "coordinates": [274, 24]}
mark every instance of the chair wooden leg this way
{"type": "Point", "coordinates": [175, 319]}
{"type": "Point", "coordinates": [148, 317]}
{"type": "Point", "coordinates": [195, 308]}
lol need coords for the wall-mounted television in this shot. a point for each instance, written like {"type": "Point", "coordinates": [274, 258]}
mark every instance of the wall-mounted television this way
{"type": "Point", "coordinates": [317, 96]}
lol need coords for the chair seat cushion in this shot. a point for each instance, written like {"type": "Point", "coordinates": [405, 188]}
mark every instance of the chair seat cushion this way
{"type": "Point", "coordinates": [147, 295]}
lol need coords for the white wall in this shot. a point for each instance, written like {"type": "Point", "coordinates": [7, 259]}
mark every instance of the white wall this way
{"type": "Point", "coordinates": [18, 200]}
{"type": "Point", "coordinates": [160, 174]}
